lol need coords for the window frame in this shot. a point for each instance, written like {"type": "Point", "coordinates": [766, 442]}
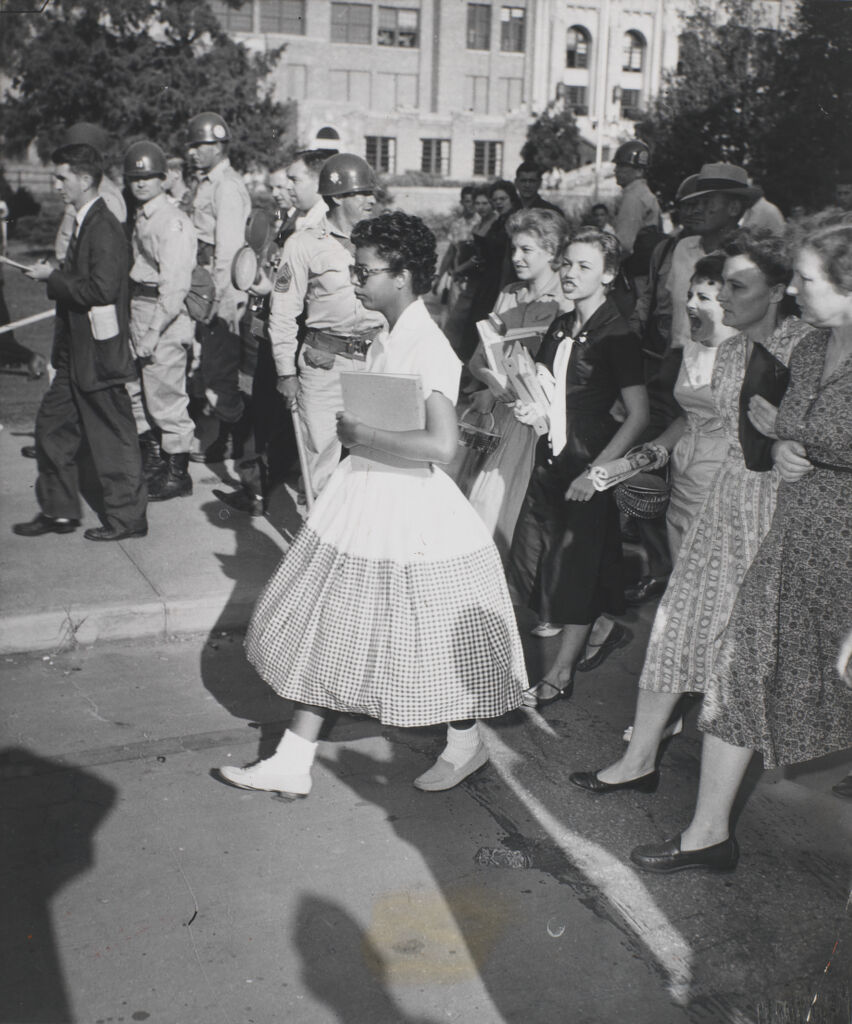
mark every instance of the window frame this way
{"type": "Point", "coordinates": [634, 45]}
{"type": "Point", "coordinates": [384, 9]}
{"type": "Point", "coordinates": [507, 43]}
{"type": "Point", "coordinates": [484, 11]}
{"type": "Point", "coordinates": [347, 25]}
{"type": "Point", "coordinates": [584, 39]}
{"type": "Point", "coordinates": [280, 6]}
{"type": "Point", "coordinates": [489, 158]}
{"type": "Point", "coordinates": [381, 143]}
{"type": "Point", "coordinates": [225, 16]}
{"type": "Point", "coordinates": [440, 153]}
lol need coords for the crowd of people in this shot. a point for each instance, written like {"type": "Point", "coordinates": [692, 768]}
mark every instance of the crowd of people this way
{"type": "Point", "coordinates": [719, 355]}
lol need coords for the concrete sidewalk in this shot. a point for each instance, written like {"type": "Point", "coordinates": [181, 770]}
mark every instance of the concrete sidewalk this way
{"type": "Point", "coordinates": [200, 568]}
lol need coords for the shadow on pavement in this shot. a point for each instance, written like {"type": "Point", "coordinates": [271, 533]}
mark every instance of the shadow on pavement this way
{"type": "Point", "coordinates": [50, 815]}
{"type": "Point", "coordinates": [255, 556]}
{"type": "Point", "coordinates": [342, 967]}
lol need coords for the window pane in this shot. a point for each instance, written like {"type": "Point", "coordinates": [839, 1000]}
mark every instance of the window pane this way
{"type": "Point", "coordinates": [351, 23]}
{"type": "Point", "coordinates": [634, 48]}
{"type": "Point", "coordinates": [576, 48]}
{"type": "Point", "coordinates": [283, 16]}
{"type": "Point", "coordinates": [398, 27]}
{"type": "Point", "coordinates": [233, 20]}
{"type": "Point", "coordinates": [512, 29]}
{"type": "Point", "coordinates": [479, 26]}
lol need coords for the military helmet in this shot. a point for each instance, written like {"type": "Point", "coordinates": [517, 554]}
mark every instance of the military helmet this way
{"type": "Point", "coordinates": [144, 160]}
{"type": "Point", "coordinates": [633, 154]}
{"type": "Point", "coordinates": [206, 127]}
{"type": "Point", "coordinates": [84, 133]}
{"type": "Point", "coordinates": [345, 173]}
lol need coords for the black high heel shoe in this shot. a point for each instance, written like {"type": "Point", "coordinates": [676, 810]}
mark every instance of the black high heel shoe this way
{"type": "Point", "coordinates": [532, 698]}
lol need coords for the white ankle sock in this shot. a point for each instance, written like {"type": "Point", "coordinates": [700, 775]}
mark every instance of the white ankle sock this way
{"type": "Point", "coordinates": [461, 743]}
{"type": "Point", "coordinates": [294, 754]}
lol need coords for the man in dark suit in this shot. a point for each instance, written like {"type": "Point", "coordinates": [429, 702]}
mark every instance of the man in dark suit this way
{"type": "Point", "coordinates": [87, 399]}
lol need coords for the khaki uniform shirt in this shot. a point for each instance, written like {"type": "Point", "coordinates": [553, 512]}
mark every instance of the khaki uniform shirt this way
{"type": "Point", "coordinates": [164, 246]}
{"type": "Point", "coordinates": [313, 277]}
{"type": "Point", "coordinates": [219, 213]}
{"type": "Point", "coordinates": [638, 209]}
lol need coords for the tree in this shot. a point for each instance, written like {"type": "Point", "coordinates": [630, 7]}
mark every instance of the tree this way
{"type": "Point", "coordinates": [776, 102]}
{"type": "Point", "coordinates": [808, 148]}
{"type": "Point", "coordinates": [553, 140]}
{"type": "Point", "coordinates": [139, 68]}
{"type": "Point", "coordinates": [718, 103]}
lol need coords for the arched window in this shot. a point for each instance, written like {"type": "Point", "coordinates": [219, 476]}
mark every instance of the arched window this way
{"type": "Point", "coordinates": [634, 51]}
{"type": "Point", "coordinates": [577, 47]}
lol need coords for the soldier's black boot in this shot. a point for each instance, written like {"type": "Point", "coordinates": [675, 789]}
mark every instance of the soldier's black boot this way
{"type": "Point", "coordinates": [152, 460]}
{"type": "Point", "coordinates": [175, 482]}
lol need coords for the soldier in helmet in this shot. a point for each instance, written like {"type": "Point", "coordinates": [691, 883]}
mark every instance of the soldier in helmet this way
{"type": "Point", "coordinates": [160, 329]}
{"type": "Point", "coordinates": [313, 277]}
{"type": "Point", "coordinates": [638, 207]}
{"type": "Point", "coordinates": [220, 210]}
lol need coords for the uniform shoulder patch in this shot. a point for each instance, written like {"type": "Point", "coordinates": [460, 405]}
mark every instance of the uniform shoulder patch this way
{"type": "Point", "coordinates": [284, 278]}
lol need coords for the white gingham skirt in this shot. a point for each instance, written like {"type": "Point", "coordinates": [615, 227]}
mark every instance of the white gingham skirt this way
{"type": "Point", "coordinates": [392, 603]}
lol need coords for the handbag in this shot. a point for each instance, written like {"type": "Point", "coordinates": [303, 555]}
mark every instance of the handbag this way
{"type": "Point", "coordinates": [645, 495]}
{"type": "Point", "coordinates": [768, 377]}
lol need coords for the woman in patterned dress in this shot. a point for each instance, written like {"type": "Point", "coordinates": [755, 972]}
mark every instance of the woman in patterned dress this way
{"type": "Point", "coordinates": [533, 302]}
{"type": "Point", "coordinates": [392, 601]}
{"type": "Point", "coordinates": [777, 686]}
{"type": "Point", "coordinates": [566, 559]}
{"type": "Point", "coordinates": [727, 530]}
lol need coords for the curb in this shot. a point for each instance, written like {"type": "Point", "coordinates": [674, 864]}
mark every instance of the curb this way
{"type": "Point", "coordinates": [60, 628]}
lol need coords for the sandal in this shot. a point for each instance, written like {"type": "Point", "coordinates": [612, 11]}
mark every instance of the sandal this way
{"type": "Point", "coordinates": [532, 698]}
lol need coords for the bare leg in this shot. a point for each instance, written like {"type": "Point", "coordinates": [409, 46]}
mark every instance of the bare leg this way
{"type": "Point", "coordinates": [653, 711]}
{"type": "Point", "coordinates": [722, 769]}
{"type": "Point", "coordinates": [571, 646]}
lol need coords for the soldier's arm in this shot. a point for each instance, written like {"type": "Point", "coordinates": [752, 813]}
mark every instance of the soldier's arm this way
{"type": "Point", "coordinates": [231, 214]}
{"type": "Point", "coordinates": [176, 259]}
{"type": "Point", "coordinates": [288, 300]}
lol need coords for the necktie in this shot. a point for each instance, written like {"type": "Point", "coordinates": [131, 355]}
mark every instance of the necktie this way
{"type": "Point", "coordinates": [70, 252]}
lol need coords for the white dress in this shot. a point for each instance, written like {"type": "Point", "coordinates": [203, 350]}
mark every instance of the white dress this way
{"type": "Point", "coordinates": [392, 600]}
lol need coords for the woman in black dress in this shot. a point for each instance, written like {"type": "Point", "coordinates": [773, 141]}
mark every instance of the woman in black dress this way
{"type": "Point", "coordinates": [566, 560]}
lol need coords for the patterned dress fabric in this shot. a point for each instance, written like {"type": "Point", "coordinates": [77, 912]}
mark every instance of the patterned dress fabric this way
{"type": "Point", "coordinates": [702, 449]}
{"type": "Point", "coordinates": [392, 601]}
{"type": "Point", "coordinates": [775, 687]}
{"type": "Point", "coordinates": [498, 490]}
{"type": "Point", "coordinates": [720, 543]}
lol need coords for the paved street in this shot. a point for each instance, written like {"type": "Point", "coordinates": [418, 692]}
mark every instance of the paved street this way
{"type": "Point", "coordinates": [137, 887]}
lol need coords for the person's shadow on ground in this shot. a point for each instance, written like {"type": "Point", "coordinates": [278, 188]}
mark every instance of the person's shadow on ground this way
{"type": "Point", "coordinates": [225, 672]}
{"type": "Point", "coordinates": [342, 966]}
{"type": "Point", "coordinates": [50, 815]}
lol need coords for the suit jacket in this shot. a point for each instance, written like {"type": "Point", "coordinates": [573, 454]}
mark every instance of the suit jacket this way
{"type": "Point", "coordinates": [95, 273]}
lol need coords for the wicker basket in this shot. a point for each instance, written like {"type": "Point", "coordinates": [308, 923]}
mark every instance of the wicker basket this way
{"type": "Point", "coordinates": [478, 438]}
{"type": "Point", "coordinates": [644, 496]}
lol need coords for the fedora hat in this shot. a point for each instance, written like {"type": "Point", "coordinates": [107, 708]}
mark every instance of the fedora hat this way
{"type": "Point", "coordinates": [727, 178]}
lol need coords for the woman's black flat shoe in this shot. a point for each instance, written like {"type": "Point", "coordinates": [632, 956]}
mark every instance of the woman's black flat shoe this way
{"type": "Point", "coordinates": [532, 698]}
{"type": "Point", "coordinates": [590, 781]}
{"type": "Point", "coordinates": [668, 856]}
{"type": "Point", "coordinates": [619, 636]}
